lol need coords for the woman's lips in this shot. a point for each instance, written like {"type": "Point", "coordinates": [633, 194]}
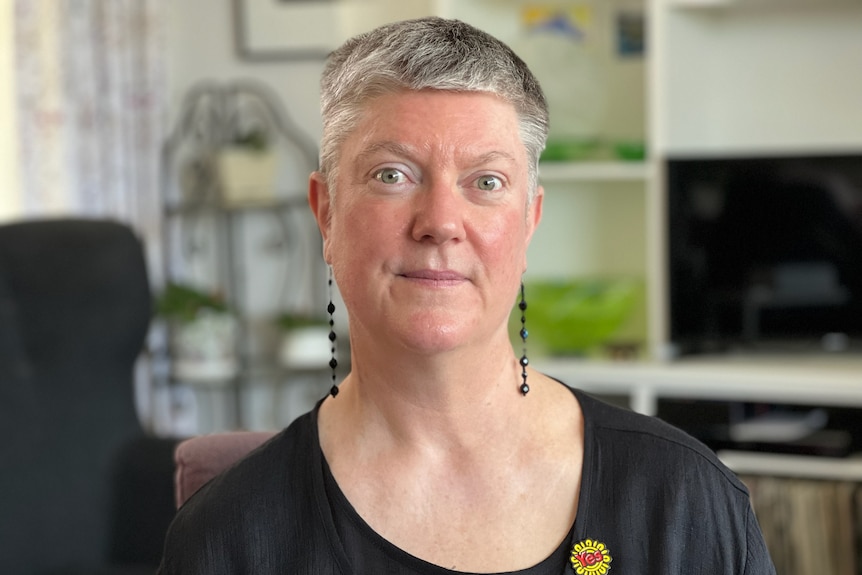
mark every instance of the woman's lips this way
{"type": "Point", "coordinates": [441, 276]}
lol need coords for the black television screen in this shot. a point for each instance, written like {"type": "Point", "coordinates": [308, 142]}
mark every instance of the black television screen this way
{"type": "Point", "coordinates": [765, 253]}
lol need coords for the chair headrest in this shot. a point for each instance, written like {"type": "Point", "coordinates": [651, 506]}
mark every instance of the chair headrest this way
{"type": "Point", "coordinates": [76, 284]}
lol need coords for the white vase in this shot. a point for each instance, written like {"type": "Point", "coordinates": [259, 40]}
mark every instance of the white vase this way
{"type": "Point", "coordinates": [305, 348]}
{"type": "Point", "coordinates": [204, 349]}
{"type": "Point", "coordinates": [246, 176]}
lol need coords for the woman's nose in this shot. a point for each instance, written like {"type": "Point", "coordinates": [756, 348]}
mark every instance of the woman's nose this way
{"type": "Point", "coordinates": [439, 213]}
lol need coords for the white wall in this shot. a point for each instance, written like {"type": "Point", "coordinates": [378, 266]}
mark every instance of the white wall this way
{"type": "Point", "coordinates": [8, 153]}
{"type": "Point", "coordinates": [201, 47]}
{"type": "Point", "coordinates": [760, 76]}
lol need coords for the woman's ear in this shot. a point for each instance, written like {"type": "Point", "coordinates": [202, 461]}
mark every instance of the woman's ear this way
{"type": "Point", "coordinates": [534, 212]}
{"type": "Point", "coordinates": [534, 216]}
{"type": "Point", "coordinates": [320, 202]}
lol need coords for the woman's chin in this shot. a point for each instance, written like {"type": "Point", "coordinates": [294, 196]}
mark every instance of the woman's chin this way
{"type": "Point", "coordinates": [430, 336]}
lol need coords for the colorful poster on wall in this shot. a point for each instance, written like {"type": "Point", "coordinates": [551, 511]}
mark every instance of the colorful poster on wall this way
{"type": "Point", "coordinates": [571, 22]}
{"type": "Point", "coordinates": [630, 33]}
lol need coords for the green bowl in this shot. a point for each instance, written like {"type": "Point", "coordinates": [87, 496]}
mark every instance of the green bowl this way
{"type": "Point", "coordinates": [572, 317]}
{"type": "Point", "coordinates": [569, 150]}
{"type": "Point", "coordinates": [630, 151]}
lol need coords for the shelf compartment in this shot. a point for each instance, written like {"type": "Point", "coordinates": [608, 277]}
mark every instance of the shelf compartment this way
{"type": "Point", "coordinates": [795, 466]}
{"type": "Point", "coordinates": [550, 172]}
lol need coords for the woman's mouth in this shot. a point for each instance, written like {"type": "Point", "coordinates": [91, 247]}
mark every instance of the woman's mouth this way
{"type": "Point", "coordinates": [437, 276]}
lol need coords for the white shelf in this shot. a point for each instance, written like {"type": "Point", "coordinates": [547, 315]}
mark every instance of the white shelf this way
{"type": "Point", "coordinates": [593, 171]}
{"type": "Point", "coordinates": [700, 3]}
{"type": "Point", "coordinates": [795, 466]}
{"type": "Point", "coordinates": [805, 380]}
{"type": "Point", "coordinates": [770, 4]}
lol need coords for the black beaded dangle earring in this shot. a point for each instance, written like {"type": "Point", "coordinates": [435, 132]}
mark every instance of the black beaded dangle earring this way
{"type": "Point", "coordinates": [333, 363]}
{"type": "Point", "coordinates": [522, 305]}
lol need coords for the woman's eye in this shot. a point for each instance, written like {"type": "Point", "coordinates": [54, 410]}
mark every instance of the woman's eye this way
{"type": "Point", "coordinates": [489, 183]}
{"type": "Point", "coordinates": [390, 176]}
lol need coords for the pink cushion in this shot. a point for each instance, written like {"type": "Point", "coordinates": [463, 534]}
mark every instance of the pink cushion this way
{"type": "Point", "coordinates": [201, 458]}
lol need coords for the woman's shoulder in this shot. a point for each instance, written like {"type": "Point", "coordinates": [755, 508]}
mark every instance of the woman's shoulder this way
{"type": "Point", "coordinates": [628, 437]}
{"type": "Point", "coordinates": [258, 480]}
{"type": "Point", "coordinates": [283, 459]}
{"type": "Point", "coordinates": [230, 518]}
{"type": "Point", "coordinates": [669, 490]}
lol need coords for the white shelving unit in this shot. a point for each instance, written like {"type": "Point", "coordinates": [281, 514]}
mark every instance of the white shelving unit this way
{"type": "Point", "coordinates": [562, 172]}
{"type": "Point", "coordinates": [795, 466]}
{"type": "Point", "coordinates": [799, 380]}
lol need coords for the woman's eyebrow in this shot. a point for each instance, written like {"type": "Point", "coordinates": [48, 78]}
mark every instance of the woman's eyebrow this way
{"type": "Point", "coordinates": [403, 151]}
{"type": "Point", "coordinates": [390, 146]}
{"type": "Point", "coordinates": [492, 156]}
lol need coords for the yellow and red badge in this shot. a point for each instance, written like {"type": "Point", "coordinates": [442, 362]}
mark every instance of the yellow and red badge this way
{"type": "Point", "coordinates": [590, 557]}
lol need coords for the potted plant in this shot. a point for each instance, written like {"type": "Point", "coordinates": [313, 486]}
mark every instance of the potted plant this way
{"type": "Point", "coordinates": [246, 168]}
{"type": "Point", "coordinates": [304, 341]}
{"type": "Point", "coordinates": [203, 333]}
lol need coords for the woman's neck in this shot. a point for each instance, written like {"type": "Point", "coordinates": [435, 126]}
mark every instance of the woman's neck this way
{"type": "Point", "coordinates": [478, 455]}
{"type": "Point", "coordinates": [410, 388]}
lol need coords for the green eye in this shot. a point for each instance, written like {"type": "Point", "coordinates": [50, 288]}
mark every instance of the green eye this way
{"type": "Point", "coordinates": [389, 176]}
{"type": "Point", "coordinates": [488, 183]}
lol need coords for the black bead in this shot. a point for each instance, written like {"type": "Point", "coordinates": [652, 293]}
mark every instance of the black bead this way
{"type": "Point", "coordinates": [333, 391]}
{"type": "Point", "coordinates": [524, 333]}
{"type": "Point", "coordinates": [524, 361]}
{"type": "Point", "coordinates": [522, 306]}
{"type": "Point", "coordinates": [333, 363]}
{"type": "Point", "coordinates": [331, 307]}
{"type": "Point", "coordinates": [525, 388]}
{"type": "Point", "coordinates": [332, 336]}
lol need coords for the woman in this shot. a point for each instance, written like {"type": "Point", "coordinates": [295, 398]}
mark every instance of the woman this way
{"type": "Point", "coordinates": [442, 451]}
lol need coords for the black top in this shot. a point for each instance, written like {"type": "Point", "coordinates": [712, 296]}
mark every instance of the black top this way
{"type": "Point", "coordinates": [653, 501]}
{"type": "Point", "coordinates": [371, 553]}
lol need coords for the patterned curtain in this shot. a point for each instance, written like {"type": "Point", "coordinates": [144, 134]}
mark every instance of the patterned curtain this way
{"type": "Point", "coordinates": [91, 112]}
{"type": "Point", "coordinates": [91, 98]}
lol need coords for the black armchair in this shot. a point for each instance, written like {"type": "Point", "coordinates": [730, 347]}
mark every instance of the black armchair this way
{"type": "Point", "coordinates": [83, 489]}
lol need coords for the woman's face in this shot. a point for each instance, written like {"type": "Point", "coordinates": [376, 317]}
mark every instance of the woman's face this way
{"type": "Point", "coordinates": [428, 229]}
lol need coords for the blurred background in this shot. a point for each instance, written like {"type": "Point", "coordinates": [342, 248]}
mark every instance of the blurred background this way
{"type": "Point", "coordinates": [700, 256]}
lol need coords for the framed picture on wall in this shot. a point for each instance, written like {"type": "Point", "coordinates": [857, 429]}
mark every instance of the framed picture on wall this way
{"type": "Point", "coordinates": [286, 29]}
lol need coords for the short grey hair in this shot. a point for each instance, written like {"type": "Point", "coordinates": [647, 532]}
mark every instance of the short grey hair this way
{"type": "Point", "coordinates": [426, 53]}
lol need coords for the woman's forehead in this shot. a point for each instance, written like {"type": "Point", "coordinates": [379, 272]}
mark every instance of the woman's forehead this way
{"type": "Point", "coordinates": [411, 122]}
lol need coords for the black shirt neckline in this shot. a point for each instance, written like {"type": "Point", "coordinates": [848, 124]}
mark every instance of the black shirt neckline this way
{"type": "Point", "coordinates": [376, 555]}
{"type": "Point", "coordinates": [326, 496]}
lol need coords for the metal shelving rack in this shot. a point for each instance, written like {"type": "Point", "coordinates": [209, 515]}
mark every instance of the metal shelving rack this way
{"type": "Point", "coordinates": [212, 116]}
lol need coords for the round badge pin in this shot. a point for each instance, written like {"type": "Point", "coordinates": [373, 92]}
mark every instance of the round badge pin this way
{"type": "Point", "coordinates": [590, 557]}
